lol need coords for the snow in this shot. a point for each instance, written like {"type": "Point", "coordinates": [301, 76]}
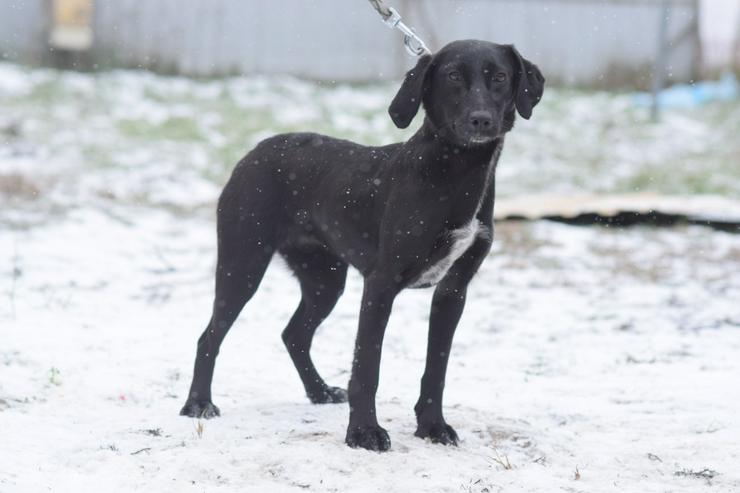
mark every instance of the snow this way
{"type": "Point", "coordinates": [697, 207]}
{"type": "Point", "coordinates": [611, 352]}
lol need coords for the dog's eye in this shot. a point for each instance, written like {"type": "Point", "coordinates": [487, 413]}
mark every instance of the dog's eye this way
{"type": "Point", "coordinates": [455, 76]}
{"type": "Point", "coordinates": [500, 77]}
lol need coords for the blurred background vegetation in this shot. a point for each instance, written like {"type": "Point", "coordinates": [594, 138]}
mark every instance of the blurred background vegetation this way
{"type": "Point", "coordinates": [223, 74]}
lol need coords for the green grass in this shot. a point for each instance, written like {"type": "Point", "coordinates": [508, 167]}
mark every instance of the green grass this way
{"type": "Point", "coordinates": [145, 134]}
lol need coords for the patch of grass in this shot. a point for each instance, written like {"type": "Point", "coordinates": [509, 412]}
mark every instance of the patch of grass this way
{"type": "Point", "coordinates": [54, 376]}
{"type": "Point", "coordinates": [16, 185]}
{"type": "Point", "coordinates": [173, 128]}
{"type": "Point", "coordinates": [577, 141]}
{"type": "Point", "coordinates": [47, 92]}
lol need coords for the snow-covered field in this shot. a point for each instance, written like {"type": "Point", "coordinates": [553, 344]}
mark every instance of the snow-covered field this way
{"type": "Point", "coordinates": [588, 359]}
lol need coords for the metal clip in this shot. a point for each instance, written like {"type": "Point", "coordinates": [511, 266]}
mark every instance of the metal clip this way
{"type": "Point", "coordinates": [414, 45]}
{"type": "Point", "coordinates": [393, 19]}
{"type": "Point", "coordinates": [419, 49]}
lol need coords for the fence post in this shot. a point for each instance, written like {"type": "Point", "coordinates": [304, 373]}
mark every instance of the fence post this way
{"type": "Point", "coordinates": [660, 59]}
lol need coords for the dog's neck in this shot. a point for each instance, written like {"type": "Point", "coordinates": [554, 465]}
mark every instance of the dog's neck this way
{"type": "Point", "coordinates": [432, 153]}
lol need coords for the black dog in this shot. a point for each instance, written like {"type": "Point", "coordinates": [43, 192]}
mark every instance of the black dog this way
{"type": "Point", "coordinates": [407, 215]}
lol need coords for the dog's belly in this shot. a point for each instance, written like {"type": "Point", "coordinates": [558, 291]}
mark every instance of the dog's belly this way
{"type": "Point", "coordinates": [462, 239]}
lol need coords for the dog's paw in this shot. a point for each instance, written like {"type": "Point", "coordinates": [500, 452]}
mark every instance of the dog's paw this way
{"type": "Point", "coordinates": [200, 409]}
{"type": "Point", "coordinates": [437, 433]}
{"type": "Point", "coordinates": [368, 437]}
{"type": "Point", "coordinates": [328, 395]}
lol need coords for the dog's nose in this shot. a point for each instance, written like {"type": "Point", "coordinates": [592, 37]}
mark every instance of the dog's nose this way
{"type": "Point", "coordinates": [481, 120]}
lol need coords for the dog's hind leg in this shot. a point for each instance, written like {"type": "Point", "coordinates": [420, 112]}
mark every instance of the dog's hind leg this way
{"type": "Point", "coordinates": [245, 247]}
{"type": "Point", "coordinates": [322, 277]}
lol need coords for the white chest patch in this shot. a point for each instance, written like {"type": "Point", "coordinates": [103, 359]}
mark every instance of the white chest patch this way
{"type": "Point", "coordinates": [462, 239]}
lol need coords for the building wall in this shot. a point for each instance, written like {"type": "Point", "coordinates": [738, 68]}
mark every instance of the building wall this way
{"type": "Point", "coordinates": [583, 42]}
{"type": "Point", "coordinates": [22, 28]}
{"type": "Point", "coordinates": [720, 33]}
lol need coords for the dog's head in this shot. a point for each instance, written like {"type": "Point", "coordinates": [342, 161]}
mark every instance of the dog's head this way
{"type": "Point", "coordinates": [470, 91]}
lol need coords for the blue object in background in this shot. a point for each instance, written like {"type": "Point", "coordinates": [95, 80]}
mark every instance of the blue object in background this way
{"type": "Point", "coordinates": [692, 95]}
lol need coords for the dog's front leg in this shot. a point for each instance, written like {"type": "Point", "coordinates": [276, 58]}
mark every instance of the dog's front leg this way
{"type": "Point", "coordinates": [377, 300]}
{"type": "Point", "coordinates": [447, 307]}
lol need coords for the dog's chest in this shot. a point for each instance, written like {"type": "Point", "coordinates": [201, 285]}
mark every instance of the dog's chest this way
{"type": "Point", "coordinates": [461, 239]}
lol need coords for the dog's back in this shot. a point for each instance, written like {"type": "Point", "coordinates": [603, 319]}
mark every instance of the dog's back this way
{"type": "Point", "coordinates": [292, 190]}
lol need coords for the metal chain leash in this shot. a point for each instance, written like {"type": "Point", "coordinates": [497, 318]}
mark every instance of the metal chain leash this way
{"type": "Point", "coordinates": [414, 45]}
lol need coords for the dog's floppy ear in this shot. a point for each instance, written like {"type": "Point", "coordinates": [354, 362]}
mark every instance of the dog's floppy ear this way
{"type": "Point", "coordinates": [406, 104]}
{"type": "Point", "coordinates": [529, 84]}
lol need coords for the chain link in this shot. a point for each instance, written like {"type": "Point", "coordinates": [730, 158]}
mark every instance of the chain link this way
{"type": "Point", "coordinates": [384, 11]}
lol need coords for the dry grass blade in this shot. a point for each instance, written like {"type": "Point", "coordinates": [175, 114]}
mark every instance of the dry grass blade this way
{"type": "Point", "coordinates": [502, 461]}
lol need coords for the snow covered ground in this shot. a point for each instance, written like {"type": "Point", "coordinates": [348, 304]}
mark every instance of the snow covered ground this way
{"type": "Point", "coordinates": [588, 359]}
